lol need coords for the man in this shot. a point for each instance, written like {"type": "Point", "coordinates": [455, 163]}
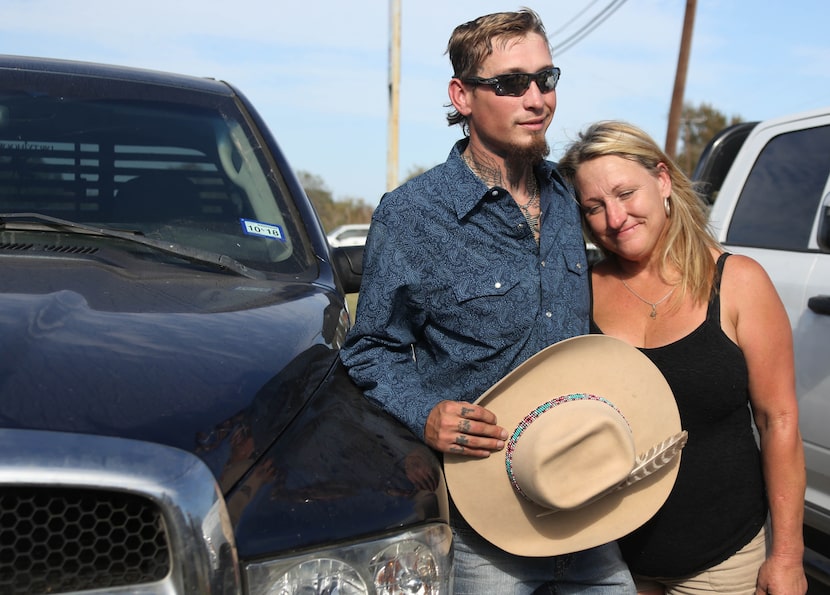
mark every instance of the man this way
{"type": "Point", "coordinates": [470, 269]}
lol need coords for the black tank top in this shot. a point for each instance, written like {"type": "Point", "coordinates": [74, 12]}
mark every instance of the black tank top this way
{"type": "Point", "coordinates": [718, 503]}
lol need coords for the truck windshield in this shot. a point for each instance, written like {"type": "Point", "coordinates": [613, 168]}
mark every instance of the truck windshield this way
{"type": "Point", "coordinates": [184, 171]}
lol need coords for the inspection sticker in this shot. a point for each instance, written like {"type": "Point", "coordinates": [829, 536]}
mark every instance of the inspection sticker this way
{"type": "Point", "coordinates": [263, 230]}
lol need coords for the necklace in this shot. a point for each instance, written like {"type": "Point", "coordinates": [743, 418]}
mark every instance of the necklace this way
{"type": "Point", "coordinates": [644, 300]}
{"type": "Point", "coordinates": [533, 221]}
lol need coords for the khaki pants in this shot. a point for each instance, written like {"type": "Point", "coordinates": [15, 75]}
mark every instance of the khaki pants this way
{"type": "Point", "coordinates": [735, 576]}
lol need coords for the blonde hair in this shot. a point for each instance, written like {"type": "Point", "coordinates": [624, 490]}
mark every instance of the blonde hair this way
{"type": "Point", "coordinates": [688, 240]}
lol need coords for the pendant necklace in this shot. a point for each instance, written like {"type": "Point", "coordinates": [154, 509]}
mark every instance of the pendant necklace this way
{"type": "Point", "coordinates": [644, 300]}
{"type": "Point", "coordinates": [532, 220]}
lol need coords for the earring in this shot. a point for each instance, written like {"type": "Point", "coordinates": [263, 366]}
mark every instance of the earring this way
{"type": "Point", "coordinates": [667, 206]}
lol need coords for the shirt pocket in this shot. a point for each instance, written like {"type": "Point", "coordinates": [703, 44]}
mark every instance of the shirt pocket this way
{"type": "Point", "coordinates": [575, 260]}
{"type": "Point", "coordinates": [494, 285]}
{"type": "Point", "coordinates": [493, 312]}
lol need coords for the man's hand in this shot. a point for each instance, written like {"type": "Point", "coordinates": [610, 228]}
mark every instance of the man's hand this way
{"type": "Point", "coordinates": [463, 428]}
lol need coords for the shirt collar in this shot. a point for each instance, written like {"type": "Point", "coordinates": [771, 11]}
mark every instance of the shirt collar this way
{"type": "Point", "coordinates": [466, 201]}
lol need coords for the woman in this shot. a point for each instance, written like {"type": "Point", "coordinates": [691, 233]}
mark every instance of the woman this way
{"type": "Point", "coordinates": [714, 325]}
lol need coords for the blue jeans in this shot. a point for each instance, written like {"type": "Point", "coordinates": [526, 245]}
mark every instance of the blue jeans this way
{"type": "Point", "coordinates": [481, 568]}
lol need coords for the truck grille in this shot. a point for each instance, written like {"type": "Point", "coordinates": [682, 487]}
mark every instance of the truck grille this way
{"type": "Point", "coordinates": [58, 540]}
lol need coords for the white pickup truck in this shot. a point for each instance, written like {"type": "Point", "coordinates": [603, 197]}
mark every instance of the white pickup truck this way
{"type": "Point", "coordinates": [769, 184]}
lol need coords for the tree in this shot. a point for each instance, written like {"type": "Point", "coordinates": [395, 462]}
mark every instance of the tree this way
{"type": "Point", "coordinates": [698, 125]}
{"type": "Point", "coordinates": [333, 212]}
{"type": "Point", "coordinates": [320, 197]}
{"type": "Point", "coordinates": [352, 210]}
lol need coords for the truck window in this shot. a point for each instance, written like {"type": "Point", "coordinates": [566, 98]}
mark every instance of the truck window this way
{"type": "Point", "coordinates": [778, 204]}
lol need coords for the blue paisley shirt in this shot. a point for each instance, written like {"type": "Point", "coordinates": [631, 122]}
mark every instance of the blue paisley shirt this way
{"type": "Point", "coordinates": [456, 293]}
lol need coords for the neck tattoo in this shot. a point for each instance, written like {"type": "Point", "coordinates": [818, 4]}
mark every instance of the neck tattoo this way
{"type": "Point", "coordinates": [494, 179]}
{"type": "Point", "coordinates": [644, 300]}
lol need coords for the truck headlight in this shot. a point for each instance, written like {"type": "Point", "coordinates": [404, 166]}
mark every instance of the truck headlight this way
{"type": "Point", "coordinates": [415, 562]}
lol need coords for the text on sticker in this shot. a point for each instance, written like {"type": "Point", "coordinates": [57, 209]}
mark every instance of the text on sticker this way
{"type": "Point", "coordinates": [263, 230]}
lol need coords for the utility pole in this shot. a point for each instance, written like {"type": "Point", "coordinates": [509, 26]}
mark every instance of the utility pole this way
{"type": "Point", "coordinates": [394, 93]}
{"type": "Point", "coordinates": [676, 110]}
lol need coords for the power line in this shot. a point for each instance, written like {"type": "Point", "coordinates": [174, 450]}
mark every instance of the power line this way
{"type": "Point", "coordinates": [579, 14]}
{"type": "Point", "coordinates": [589, 27]}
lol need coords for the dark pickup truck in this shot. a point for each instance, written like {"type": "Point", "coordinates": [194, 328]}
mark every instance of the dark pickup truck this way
{"type": "Point", "coordinates": [173, 414]}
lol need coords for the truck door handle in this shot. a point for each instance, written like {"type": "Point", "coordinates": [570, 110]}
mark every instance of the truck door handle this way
{"type": "Point", "coordinates": [820, 304]}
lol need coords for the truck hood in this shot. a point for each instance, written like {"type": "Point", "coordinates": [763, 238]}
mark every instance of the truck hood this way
{"type": "Point", "coordinates": [178, 357]}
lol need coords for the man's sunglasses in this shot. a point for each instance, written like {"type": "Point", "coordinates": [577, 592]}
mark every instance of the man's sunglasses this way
{"type": "Point", "coordinates": [516, 84]}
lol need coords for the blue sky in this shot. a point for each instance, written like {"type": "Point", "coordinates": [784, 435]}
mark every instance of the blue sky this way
{"type": "Point", "coordinates": [318, 70]}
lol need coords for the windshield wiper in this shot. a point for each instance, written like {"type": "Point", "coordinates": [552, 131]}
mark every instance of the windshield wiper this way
{"type": "Point", "coordinates": [187, 252]}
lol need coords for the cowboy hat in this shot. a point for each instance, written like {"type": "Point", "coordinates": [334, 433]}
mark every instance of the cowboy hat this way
{"type": "Point", "coordinates": [593, 453]}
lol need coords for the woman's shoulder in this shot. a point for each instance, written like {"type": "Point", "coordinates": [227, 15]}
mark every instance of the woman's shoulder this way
{"type": "Point", "coordinates": [746, 291]}
{"type": "Point", "coordinates": [742, 270]}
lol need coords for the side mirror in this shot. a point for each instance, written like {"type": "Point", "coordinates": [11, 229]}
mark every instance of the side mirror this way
{"type": "Point", "coordinates": [823, 238]}
{"type": "Point", "coordinates": [348, 266]}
